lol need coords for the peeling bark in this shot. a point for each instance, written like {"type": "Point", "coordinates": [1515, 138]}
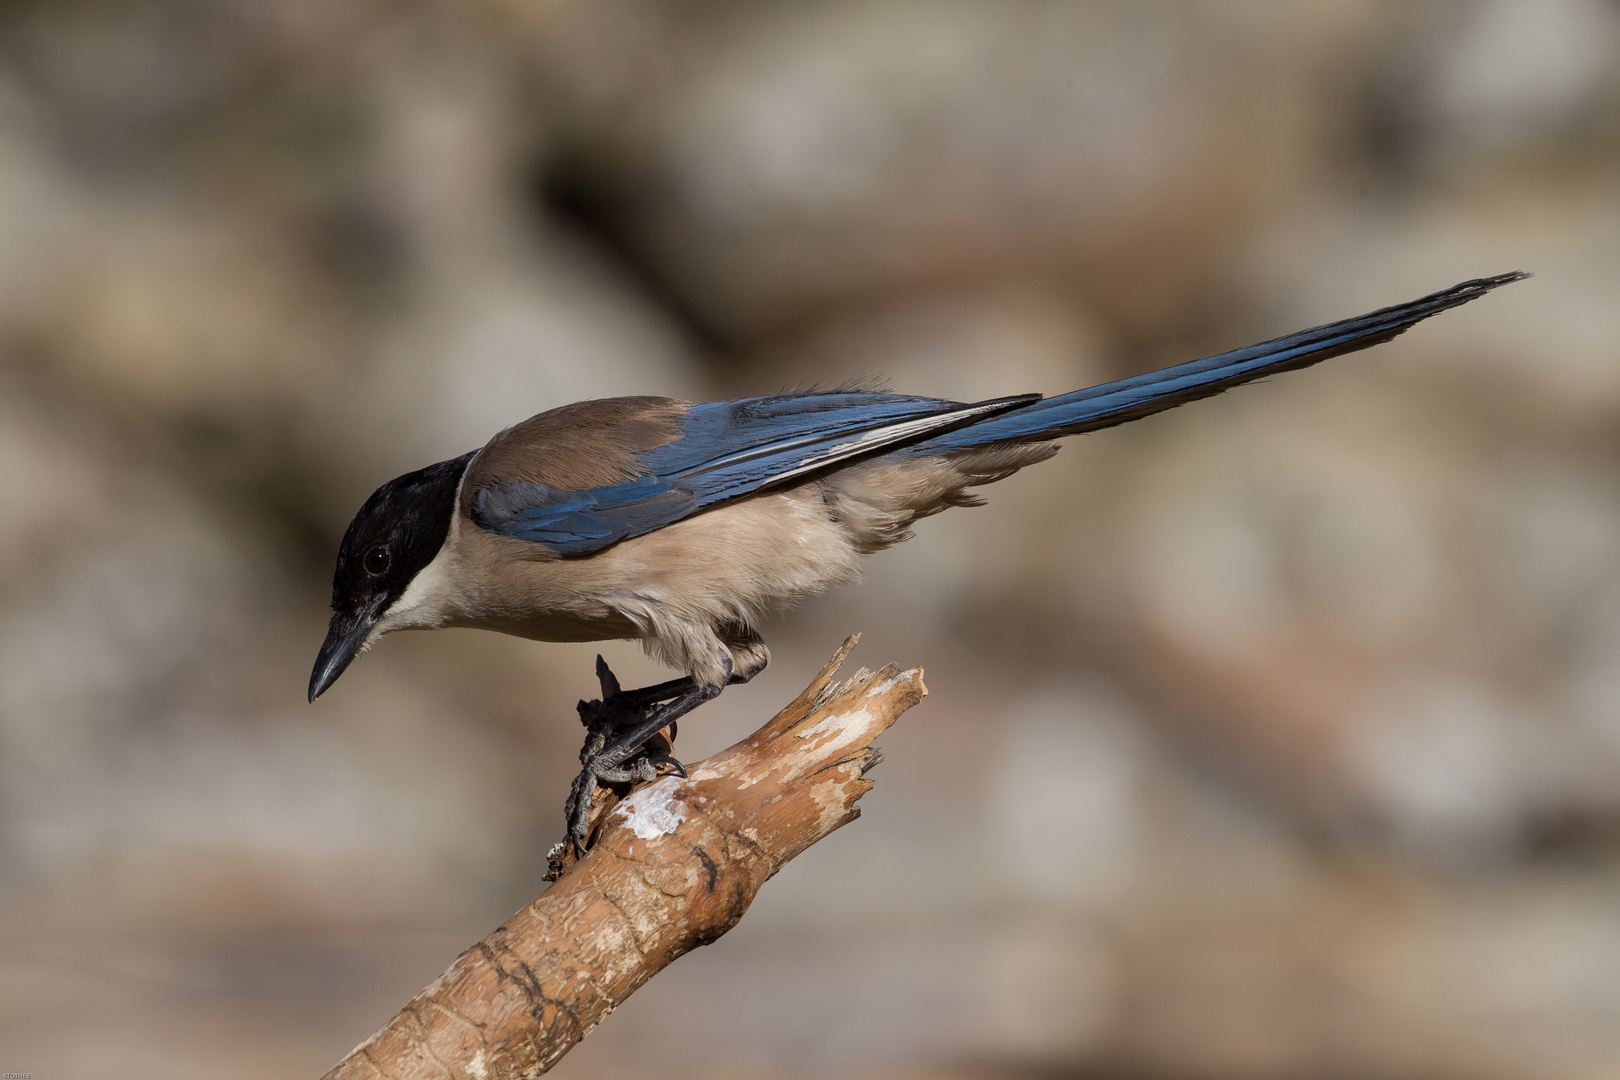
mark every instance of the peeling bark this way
{"type": "Point", "coordinates": [673, 865]}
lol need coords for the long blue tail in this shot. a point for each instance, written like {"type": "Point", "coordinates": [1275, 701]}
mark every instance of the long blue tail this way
{"type": "Point", "coordinates": [1142, 395]}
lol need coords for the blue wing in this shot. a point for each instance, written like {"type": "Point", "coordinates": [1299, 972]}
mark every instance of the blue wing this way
{"type": "Point", "coordinates": [727, 450]}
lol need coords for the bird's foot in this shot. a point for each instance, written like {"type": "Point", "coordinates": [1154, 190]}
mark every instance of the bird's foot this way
{"type": "Point", "coordinates": [617, 710]}
{"type": "Point", "coordinates": [629, 737]}
{"type": "Point", "coordinates": [583, 809]}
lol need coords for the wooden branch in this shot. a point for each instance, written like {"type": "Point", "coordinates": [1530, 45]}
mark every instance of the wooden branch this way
{"type": "Point", "coordinates": [673, 866]}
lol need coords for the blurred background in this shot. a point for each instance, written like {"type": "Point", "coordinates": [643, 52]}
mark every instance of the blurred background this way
{"type": "Point", "coordinates": [1323, 675]}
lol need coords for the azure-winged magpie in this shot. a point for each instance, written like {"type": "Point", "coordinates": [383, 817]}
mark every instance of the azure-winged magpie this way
{"type": "Point", "coordinates": [684, 526]}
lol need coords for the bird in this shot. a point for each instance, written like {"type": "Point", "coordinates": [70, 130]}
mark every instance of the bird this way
{"type": "Point", "coordinates": [685, 526]}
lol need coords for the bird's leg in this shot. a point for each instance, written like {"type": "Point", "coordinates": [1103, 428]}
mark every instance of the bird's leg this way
{"type": "Point", "coordinates": [618, 709]}
{"type": "Point", "coordinates": [617, 733]}
{"type": "Point", "coordinates": [639, 698]}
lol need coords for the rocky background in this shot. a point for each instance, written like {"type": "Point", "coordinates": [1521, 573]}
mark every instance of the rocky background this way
{"type": "Point", "coordinates": [1278, 736]}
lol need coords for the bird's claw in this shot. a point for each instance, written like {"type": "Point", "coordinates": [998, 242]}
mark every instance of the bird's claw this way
{"type": "Point", "coordinates": [629, 736]}
{"type": "Point", "coordinates": [601, 763]}
{"type": "Point", "coordinates": [605, 676]}
{"type": "Point", "coordinates": [596, 772]}
{"type": "Point", "coordinates": [654, 761]}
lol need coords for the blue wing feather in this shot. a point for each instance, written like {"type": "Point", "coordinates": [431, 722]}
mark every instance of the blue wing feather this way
{"type": "Point", "coordinates": [727, 450]}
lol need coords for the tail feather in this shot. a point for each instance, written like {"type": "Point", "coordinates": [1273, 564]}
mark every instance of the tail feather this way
{"type": "Point", "coordinates": [1142, 395]}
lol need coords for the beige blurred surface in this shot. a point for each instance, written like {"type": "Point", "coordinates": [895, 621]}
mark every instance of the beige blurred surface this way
{"type": "Point", "coordinates": [1276, 736]}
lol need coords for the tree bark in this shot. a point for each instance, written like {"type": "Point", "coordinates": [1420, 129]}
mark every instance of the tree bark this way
{"type": "Point", "coordinates": [674, 865]}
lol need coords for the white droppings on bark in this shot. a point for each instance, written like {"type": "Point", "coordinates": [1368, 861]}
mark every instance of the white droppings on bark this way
{"type": "Point", "coordinates": [653, 811]}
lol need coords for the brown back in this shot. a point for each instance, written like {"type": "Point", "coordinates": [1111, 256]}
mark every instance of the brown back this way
{"type": "Point", "coordinates": [584, 445]}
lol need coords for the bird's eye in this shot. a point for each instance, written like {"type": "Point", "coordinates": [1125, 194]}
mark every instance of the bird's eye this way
{"type": "Point", "coordinates": [377, 560]}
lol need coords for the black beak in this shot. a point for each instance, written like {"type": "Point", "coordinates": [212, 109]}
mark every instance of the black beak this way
{"type": "Point", "coordinates": [343, 641]}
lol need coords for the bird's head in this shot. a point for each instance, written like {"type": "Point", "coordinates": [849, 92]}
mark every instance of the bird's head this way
{"type": "Point", "coordinates": [394, 537]}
